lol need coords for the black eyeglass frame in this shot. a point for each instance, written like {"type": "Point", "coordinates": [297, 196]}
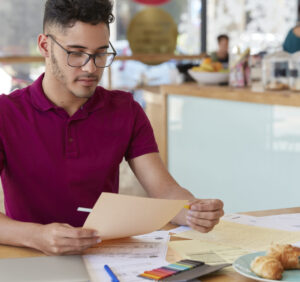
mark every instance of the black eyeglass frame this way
{"type": "Point", "coordinates": [90, 56]}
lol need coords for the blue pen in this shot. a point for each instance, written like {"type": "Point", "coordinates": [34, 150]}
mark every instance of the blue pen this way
{"type": "Point", "coordinates": [113, 277]}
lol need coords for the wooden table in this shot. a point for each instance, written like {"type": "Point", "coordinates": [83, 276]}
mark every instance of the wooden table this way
{"type": "Point", "coordinates": [231, 276]}
{"type": "Point", "coordinates": [222, 276]}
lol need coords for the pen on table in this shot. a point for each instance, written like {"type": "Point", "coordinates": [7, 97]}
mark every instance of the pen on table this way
{"type": "Point", "coordinates": [113, 277]}
{"type": "Point", "coordinates": [84, 209]}
{"type": "Point", "coordinates": [188, 207]}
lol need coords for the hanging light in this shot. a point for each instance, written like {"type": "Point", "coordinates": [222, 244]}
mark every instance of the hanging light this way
{"type": "Point", "coordinates": [152, 2]}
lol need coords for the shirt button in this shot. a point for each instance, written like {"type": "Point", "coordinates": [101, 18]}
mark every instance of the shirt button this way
{"type": "Point", "coordinates": [71, 139]}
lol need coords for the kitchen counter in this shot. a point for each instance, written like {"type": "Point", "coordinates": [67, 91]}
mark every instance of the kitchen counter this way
{"type": "Point", "coordinates": [222, 142]}
{"type": "Point", "coordinates": [156, 97]}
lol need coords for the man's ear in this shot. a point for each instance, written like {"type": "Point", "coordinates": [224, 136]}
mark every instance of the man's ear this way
{"type": "Point", "coordinates": [43, 45]}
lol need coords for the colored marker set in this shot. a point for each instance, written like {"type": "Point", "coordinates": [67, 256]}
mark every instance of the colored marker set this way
{"type": "Point", "coordinates": [171, 269]}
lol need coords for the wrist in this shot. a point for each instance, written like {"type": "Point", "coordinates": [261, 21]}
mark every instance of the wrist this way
{"type": "Point", "coordinates": [32, 235]}
{"type": "Point", "coordinates": [180, 218]}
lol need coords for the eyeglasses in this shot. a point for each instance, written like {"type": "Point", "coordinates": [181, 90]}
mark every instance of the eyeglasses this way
{"type": "Point", "coordinates": [80, 59]}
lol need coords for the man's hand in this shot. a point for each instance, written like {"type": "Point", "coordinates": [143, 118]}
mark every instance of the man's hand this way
{"type": "Point", "coordinates": [203, 215]}
{"type": "Point", "coordinates": [60, 239]}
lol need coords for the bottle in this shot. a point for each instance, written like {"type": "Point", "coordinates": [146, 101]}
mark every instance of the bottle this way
{"type": "Point", "coordinates": [239, 69]}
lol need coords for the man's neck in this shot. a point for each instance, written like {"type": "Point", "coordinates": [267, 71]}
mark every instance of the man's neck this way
{"type": "Point", "coordinates": [60, 96]}
{"type": "Point", "coordinates": [222, 55]}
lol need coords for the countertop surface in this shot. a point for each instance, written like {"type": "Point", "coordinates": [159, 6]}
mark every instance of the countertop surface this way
{"type": "Point", "coordinates": [284, 98]}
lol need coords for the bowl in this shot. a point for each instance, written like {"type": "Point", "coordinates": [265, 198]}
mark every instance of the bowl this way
{"type": "Point", "coordinates": [209, 77]}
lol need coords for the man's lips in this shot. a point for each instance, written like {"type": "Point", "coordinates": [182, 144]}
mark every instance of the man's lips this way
{"type": "Point", "coordinates": [87, 81]}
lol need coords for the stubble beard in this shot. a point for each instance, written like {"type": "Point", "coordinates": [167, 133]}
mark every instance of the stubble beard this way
{"type": "Point", "coordinates": [59, 75]}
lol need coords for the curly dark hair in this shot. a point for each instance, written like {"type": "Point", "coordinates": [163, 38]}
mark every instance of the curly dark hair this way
{"type": "Point", "coordinates": [65, 13]}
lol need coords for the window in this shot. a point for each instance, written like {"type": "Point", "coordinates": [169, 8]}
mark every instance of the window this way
{"type": "Point", "coordinates": [20, 24]}
{"type": "Point", "coordinates": [260, 25]}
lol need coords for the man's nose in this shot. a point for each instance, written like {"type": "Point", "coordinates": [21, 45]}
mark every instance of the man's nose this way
{"type": "Point", "coordinates": [89, 66]}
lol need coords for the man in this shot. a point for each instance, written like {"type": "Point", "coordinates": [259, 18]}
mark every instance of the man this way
{"type": "Point", "coordinates": [221, 55]}
{"type": "Point", "coordinates": [291, 42]}
{"type": "Point", "coordinates": [62, 139]}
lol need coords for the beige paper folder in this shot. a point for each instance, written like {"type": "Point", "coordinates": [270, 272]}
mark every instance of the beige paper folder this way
{"type": "Point", "coordinates": [117, 216]}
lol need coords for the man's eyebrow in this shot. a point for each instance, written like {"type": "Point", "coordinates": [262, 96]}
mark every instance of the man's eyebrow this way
{"type": "Point", "coordinates": [83, 47]}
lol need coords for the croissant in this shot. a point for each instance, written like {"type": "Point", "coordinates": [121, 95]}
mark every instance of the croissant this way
{"type": "Point", "coordinates": [267, 267]}
{"type": "Point", "coordinates": [287, 254]}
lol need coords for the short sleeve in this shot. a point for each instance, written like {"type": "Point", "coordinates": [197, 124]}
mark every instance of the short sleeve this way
{"type": "Point", "coordinates": [142, 139]}
{"type": "Point", "coordinates": [1, 159]}
{"type": "Point", "coordinates": [1, 153]}
{"type": "Point", "coordinates": [286, 42]}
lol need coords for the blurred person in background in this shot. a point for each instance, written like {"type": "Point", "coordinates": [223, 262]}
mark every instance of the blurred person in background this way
{"type": "Point", "coordinates": [221, 55]}
{"type": "Point", "coordinates": [291, 43]}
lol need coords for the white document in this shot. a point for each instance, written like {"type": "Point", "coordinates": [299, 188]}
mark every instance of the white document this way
{"type": "Point", "coordinates": [297, 244]}
{"type": "Point", "coordinates": [180, 229]}
{"type": "Point", "coordinates": [252, 238]}
{"type": "Point", "coordinates": [128, 257]}
{"type": "Point", "coordinates": [287, 222]}
{"type": "Point", "coordinates": [210, 253]}
{"type": "Point", "coordinates": [241, 219]}
{"type": "Point", "coordinates": [152, 245]}
{"type": "Point", "coordinates": [127, 270]}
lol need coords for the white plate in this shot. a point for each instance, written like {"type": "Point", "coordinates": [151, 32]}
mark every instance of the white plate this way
{"type": "Point", "coordinates": [209, 77]}
{"type": "Point", "coordinates": [242, 266]}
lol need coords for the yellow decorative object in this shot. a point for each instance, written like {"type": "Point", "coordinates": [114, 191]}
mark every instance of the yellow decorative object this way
{"type": "Point", "coordinates": [152, 31]}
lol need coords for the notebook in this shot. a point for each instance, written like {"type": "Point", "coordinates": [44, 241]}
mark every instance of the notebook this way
{"type": "Point", "coordinates": [44, 269]}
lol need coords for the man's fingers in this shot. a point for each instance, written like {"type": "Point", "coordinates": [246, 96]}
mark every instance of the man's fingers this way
{"type": "Point", "coordinates": [58, 239]}
{"type": "Point", "coordinates": [82, 244]}
{"type": "Point", "coordinates": [77, 232]}
{"type": "Point", "coordinates": [207, 205]}
{"type": "Point", "coordinates": [71, 245]}
{"type": "Point", "coordinates": [199, 228]}
{"type": "Point", "coordinates": [78, 243]}
{"type": "Point", "coordinates": [204, 214]}
{"type": "Point", "coordinates": [83, 233]}
{"type": "Point", "coordinates": [211, 215]}
{"type": "Point", "coordinates": [202, 222]}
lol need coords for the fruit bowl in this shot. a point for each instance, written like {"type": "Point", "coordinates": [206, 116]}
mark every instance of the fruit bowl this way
{"type": "Point", "coordinates": [209, 77]}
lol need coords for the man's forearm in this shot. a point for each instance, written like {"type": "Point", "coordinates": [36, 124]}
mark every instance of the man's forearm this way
{"type": "Point", "coordinates": [17, 233]}
{"type": "Point", "coordinates": [177, 192]}
{"type": "Point", "coordinates": [51, 239]}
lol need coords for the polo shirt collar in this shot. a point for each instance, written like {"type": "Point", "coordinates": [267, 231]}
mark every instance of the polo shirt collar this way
{"type": "Point", "coordinates": [38, 97]}
{"type": "Point", "coordinates": [41, 102]}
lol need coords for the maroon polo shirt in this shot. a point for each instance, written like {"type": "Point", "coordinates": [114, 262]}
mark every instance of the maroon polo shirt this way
{"type": "Point", "coordinates": [51, 163]}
